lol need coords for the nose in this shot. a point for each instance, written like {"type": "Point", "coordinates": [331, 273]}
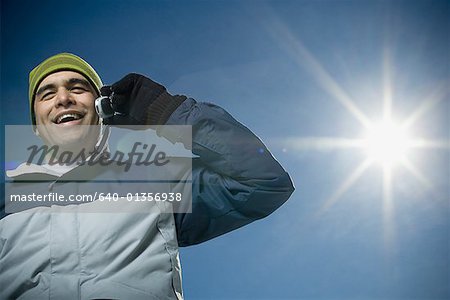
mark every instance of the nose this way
{"type": "Point", "coordinates": [64, 98]}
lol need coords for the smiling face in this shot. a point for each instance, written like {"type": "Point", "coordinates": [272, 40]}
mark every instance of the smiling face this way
{"type": "Point", "coordinates": [65, 100]}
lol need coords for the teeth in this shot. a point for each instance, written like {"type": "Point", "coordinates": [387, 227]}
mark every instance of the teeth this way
{"type": "Point", "coordinates": [65, 116]}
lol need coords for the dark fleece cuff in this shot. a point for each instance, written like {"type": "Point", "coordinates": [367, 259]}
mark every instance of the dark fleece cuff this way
{"type": "Point", "coordinates": [160, 110]}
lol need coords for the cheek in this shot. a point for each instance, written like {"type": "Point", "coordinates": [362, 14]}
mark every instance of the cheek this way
{"type": "Point", "coordinates": [93, 118]}
{"type": "Point", "coordinates": [89, 105]}
{"type": "Point", "coordinates": [41, 110]}
{"type": "Point", "coordinates": [87, 100]}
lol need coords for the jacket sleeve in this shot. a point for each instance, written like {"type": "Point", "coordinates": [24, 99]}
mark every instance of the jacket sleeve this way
{"type": "Point", "coordinates": [235, 179]}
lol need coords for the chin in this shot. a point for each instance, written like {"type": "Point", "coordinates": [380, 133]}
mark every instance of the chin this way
{"type": "Point", "coordinates": [73, 138]}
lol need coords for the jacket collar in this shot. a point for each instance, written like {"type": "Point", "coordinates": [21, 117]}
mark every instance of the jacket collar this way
{"type": "Point", "coordinates": [25, 168]}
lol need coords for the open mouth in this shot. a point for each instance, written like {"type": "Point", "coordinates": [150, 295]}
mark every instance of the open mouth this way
{"type": "Point", "coordinates": [68, 117]}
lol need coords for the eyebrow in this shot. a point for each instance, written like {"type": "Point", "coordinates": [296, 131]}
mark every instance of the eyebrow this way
{"type": "Point", "coordinates": [71, 81]}
{"type": "Point", "coordinates": [45, 87]}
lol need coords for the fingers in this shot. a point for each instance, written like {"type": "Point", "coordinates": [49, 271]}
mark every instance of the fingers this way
{"type": "Point", "coordinates": [106, 90]}
{"type": "Point", "coordinates": [132, 96]}
{"type": "Point", "coordinates": [120, 91]}
{"type": "Point", "coordinates": [120, 103]}
{"type": "Point", "coordinates": [134, 81]}
{"type": "Point", "coordinates": [125, 85]}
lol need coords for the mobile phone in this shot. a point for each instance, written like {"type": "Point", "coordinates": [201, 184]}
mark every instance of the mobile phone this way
{"type": "Point", "coordinates": [103, 107]}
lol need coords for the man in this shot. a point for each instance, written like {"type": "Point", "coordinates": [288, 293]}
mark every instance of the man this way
{"type": "Point", "coordinates": [62, 252]}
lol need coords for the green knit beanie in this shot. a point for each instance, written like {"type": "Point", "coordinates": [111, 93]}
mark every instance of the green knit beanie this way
{"type": "Point", "coordinates": [60, 62]}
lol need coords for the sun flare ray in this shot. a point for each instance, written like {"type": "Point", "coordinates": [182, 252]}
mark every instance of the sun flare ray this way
{"type": "Point", "coordinates": [387, 85]}
{"type": "Point", "coordinates": [439, 93]}
{"type": "Point", "coordinates": [388, 208]}
{"type": "Point", "coordinates": [305, 59]}
{"type": "Point", "coordinates": [430, 144]}
{"type": "Point", "coordinates": [346, 184]}
{"type": "Point", "coordinates": [416, 173]}
{"type": "Point", "coordinates": [322, 143]}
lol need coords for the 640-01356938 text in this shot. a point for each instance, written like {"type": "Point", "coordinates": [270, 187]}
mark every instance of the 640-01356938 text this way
{"type": "Point", "coordinates": [169, 197]}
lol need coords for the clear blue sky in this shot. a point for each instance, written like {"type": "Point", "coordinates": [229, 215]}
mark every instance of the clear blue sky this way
{"type": "Point", "coordinates": [285, 69]}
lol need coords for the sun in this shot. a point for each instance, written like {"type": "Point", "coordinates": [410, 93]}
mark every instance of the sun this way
{"type": "Point", "coordinates": [387, 143]}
